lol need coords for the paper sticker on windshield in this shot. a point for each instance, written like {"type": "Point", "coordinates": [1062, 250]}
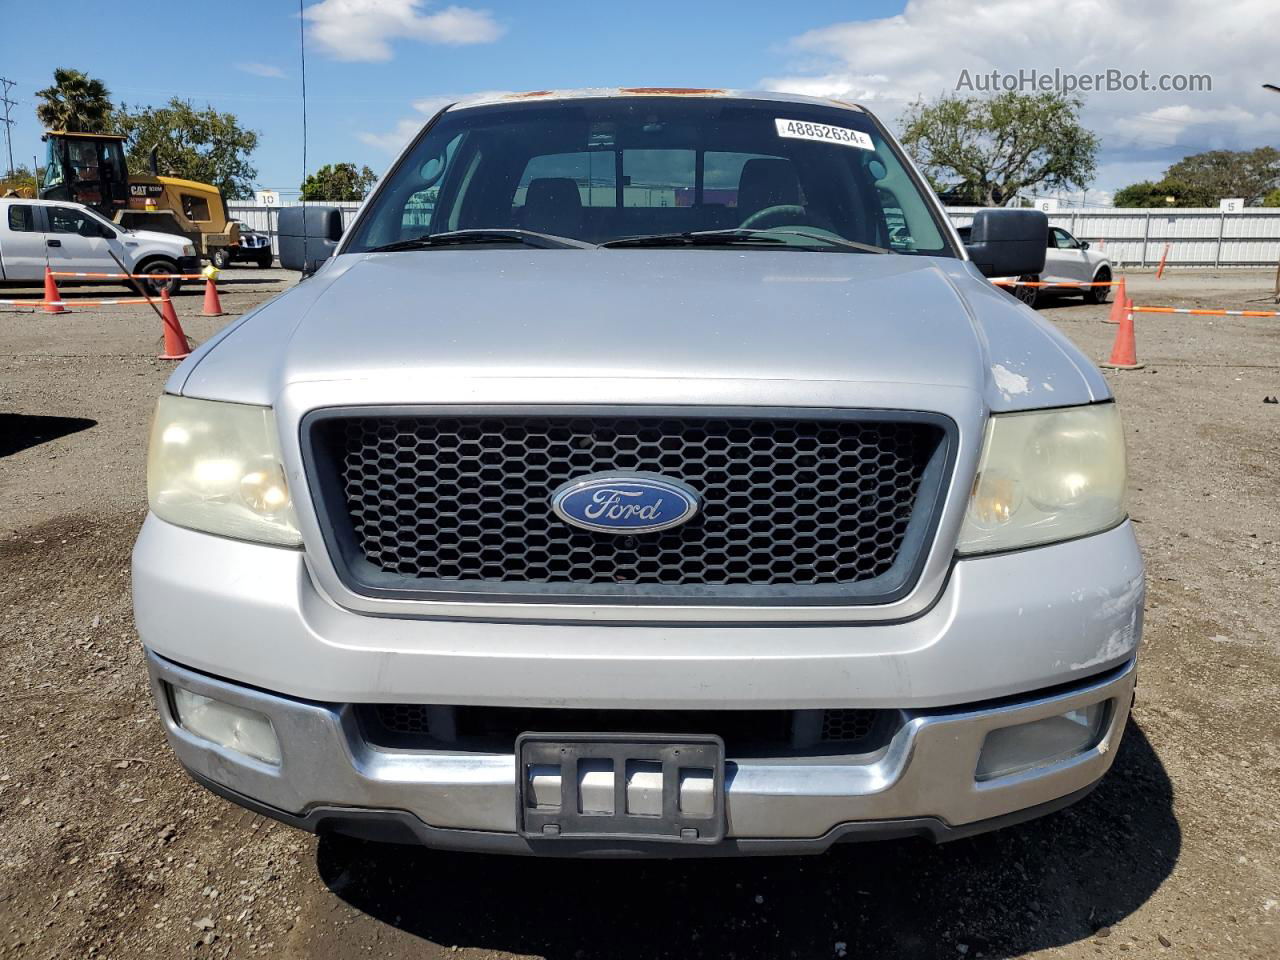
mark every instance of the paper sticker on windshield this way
{"type": "Point", "coordinates": [805, 130]}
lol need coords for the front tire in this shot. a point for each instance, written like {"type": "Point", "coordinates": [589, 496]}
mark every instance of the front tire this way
{"type": "Point", "coordinates": [265, 262]}
{"type": "Point", "coordinates": [221, 258]}
{"type": "Point", "coordinates": [158, 269]}
{"type": "Point", "coordinates": [1028, 295]}
{"type": "Point", "coordinates": [1099, 295]}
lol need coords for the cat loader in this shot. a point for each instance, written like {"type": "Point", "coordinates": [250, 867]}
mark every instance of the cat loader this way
{"type": "Point", "coordinates": [90, 168]}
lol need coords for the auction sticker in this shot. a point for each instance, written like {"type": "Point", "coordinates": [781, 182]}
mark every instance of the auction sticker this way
{"type": "Point", "coordinates": [805, 130]}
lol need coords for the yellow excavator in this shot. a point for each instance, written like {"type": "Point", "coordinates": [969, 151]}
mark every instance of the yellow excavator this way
{"type": "Point", "coordinates": [90, 168]}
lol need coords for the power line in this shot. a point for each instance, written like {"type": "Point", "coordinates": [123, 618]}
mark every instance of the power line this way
{"type": "Point", "coordinates": [8, 123]}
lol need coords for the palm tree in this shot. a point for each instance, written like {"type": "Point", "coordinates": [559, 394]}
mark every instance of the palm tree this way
{"type": "Point", "coordinates": [75, 102]}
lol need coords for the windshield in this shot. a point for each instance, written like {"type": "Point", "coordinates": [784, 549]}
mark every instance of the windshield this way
{"type": "Point", "coordinates": [607, 169]}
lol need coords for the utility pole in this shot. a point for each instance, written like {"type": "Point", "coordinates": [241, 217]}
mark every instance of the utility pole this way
{"type": "Point", "coordinates": [8, 123]}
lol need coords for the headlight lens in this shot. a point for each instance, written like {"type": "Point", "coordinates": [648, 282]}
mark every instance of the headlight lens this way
{"type": "Point", "coordinates": [189, 250]}
{"type": "Point", "coordinates": [1046, 475]}
{"type": "Point", "coordinates": [216, 467]}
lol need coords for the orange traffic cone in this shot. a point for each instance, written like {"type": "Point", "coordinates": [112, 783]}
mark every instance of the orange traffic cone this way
{"type": "Point", "coordinates": [176, 346]}
{"type": "Point", "coordinates": [52, 299]}
{"type": "Point", "coordinates": [1119, 305]}
{"type": "Point", "coordinates": [212, 305]}
{"type": "Point", "coordinates": [1124, 352]}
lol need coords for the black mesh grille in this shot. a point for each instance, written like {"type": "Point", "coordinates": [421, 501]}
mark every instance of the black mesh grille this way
{"type": "Point", "coordinates": [421, 726]}
{"type": "Point", "coordinates": [467, 500]}
{"type": "Point", "coordinates": [847, 725]}
{"type": "Point", "coordinates": [404, 718]}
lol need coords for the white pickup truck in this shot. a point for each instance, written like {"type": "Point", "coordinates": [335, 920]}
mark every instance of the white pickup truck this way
{"type": "Point", "coordinates": [71, 237]}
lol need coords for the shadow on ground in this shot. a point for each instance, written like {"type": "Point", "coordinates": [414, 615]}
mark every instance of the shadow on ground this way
{"type": "Point", "coordinates": [1042, 884]}
{"type": "Point", "coordinates": [18, 431]}
{"type": "Point", "coordinates": [1050, 301]}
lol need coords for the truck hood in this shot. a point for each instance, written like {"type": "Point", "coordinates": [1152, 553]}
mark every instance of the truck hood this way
{"type": "Point", "coordinates": [155, 238]}
{"type": "Point", "coordinates": [654, 315]}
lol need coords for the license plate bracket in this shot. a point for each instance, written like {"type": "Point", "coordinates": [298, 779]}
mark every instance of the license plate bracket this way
{"type": "Point", "coordinates": [603, 786]}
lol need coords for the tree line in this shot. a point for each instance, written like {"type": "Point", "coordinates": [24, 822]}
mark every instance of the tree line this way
{"type": "Point", "coordinates": [983, 151]}
{"type": "Point", "coordinates": [205, 145]}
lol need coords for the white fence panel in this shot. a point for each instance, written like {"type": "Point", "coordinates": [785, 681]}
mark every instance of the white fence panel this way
{"type": "Point", "coordinates": [1199, 237]}
{"type": "Point", "coordinates": [1196, 236]}
{"type": "Point", "coordinates": [263, 219]}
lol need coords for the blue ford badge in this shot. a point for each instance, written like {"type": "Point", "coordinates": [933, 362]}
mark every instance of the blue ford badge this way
{"type": "Point", "coordinates": [625, 502]}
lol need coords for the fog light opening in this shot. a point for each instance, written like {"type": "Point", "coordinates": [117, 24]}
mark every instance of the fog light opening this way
{"type": "Point", "coordinates": [1040, 743]}
{"type": "Point", "coordinates": [238, 729]}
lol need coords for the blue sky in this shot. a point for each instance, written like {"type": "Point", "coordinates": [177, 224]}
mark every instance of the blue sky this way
{"type": "Point", "coordinates": [376, 68]}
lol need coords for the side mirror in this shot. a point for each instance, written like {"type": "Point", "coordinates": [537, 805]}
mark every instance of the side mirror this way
{"type": "Point", "coordinates": [89, 229]}
{"type": "Point", "coordinates": [1084, 244]}
{"type": "Point", "coordinates": [1008, 243]}
{"type": "Point", "coordinates": [308, 236]}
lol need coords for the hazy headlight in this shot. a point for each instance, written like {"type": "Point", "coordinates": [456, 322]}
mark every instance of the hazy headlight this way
{"type": "Point", "coordinates": [1046, 475]}
{"type": "Point", "coordinates": [216, 467]}
{"type": "Point", "coordinates": [189, 250]}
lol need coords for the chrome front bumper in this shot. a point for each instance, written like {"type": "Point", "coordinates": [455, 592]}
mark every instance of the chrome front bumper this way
{"type": "Point", "coordinates": [922, 781]}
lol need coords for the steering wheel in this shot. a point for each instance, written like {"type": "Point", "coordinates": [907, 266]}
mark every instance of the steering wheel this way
{"type": "Point", "coordinates": [782, 213]}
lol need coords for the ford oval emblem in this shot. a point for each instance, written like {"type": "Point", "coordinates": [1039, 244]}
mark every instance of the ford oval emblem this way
{"type": "Point", "coordinates": [625, 503]}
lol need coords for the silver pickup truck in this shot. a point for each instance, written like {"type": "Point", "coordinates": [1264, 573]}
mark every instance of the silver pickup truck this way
{"type": "Point", "coordinates": [623, 484]}
{"type": "Point", "coordinates": [72, 238]}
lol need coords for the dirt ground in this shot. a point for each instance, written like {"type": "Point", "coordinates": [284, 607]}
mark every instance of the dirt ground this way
{"type": "Point", "coordinates": [107, 849]}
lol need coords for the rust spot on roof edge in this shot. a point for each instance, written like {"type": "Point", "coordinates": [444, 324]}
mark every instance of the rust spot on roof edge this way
{"type": "Point", "coordinates": [677, 91]}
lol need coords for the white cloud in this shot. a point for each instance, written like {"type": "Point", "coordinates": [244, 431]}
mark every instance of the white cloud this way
{"type": "Point", "coordinates": [260, 70]}
{"type": "Point", "coordinates": [889, 62]}
{"type": "Point", "coordinates": [426, 108]}
{"type": "Point", "coordinates": [392, 140]}
{"type": "Point", "coordinates": [1165, 126]}
{"type": "Point", "coordinates": [364, 29]}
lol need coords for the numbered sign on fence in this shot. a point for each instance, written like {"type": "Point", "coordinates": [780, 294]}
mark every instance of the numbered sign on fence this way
{"type": "Point", "coordinates": [267, 198]}
{"type": "Point", "coordinates": [1231, 205]}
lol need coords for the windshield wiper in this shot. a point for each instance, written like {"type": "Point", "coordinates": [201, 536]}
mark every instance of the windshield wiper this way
{"type": "Point", "coordinates": [693, 238]}
{"type": "Point", "coordinates": [834, 241]}
{"type": "Point", "coordinates": [736, 235]}
{"type": "Point", "coordinates": [458, 238]}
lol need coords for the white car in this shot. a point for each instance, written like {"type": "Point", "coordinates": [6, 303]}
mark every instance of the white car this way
{"type": "Point", "coordinates": [1067, 260]}
{"type": "Point", "coordinates": [73, 238]}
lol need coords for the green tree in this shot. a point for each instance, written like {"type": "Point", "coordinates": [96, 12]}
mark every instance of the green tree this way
{"type": "Point", "coordinates": [339, 181]}
{"type": "Point", "coordinates": [1272, 199]}
{"type": "Point", "coordinates": [1148, 194]}
{"type": "Point", "coordinates": [202, 145]}
{"type": "Point", "coordinates": [75, 102]}
{"type": "Point", "coordinates": [1202, 179]}
{"type": "Point", "coordinates": [1218, 174]}
{"type": "Point", "coordinates": [988, 149]}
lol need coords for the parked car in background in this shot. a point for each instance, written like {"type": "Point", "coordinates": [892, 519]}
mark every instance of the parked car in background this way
{"type": "Point", "coordinates": [1069, 259]}
{"type": "Point", "coordinates": [75, 238]}
{"type": "Point", "coordinates": [680, 487]}
{"type": "Point", "coordinates": [1066, 260]}
{"type": "Point", "coordinates": [253, 246]}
